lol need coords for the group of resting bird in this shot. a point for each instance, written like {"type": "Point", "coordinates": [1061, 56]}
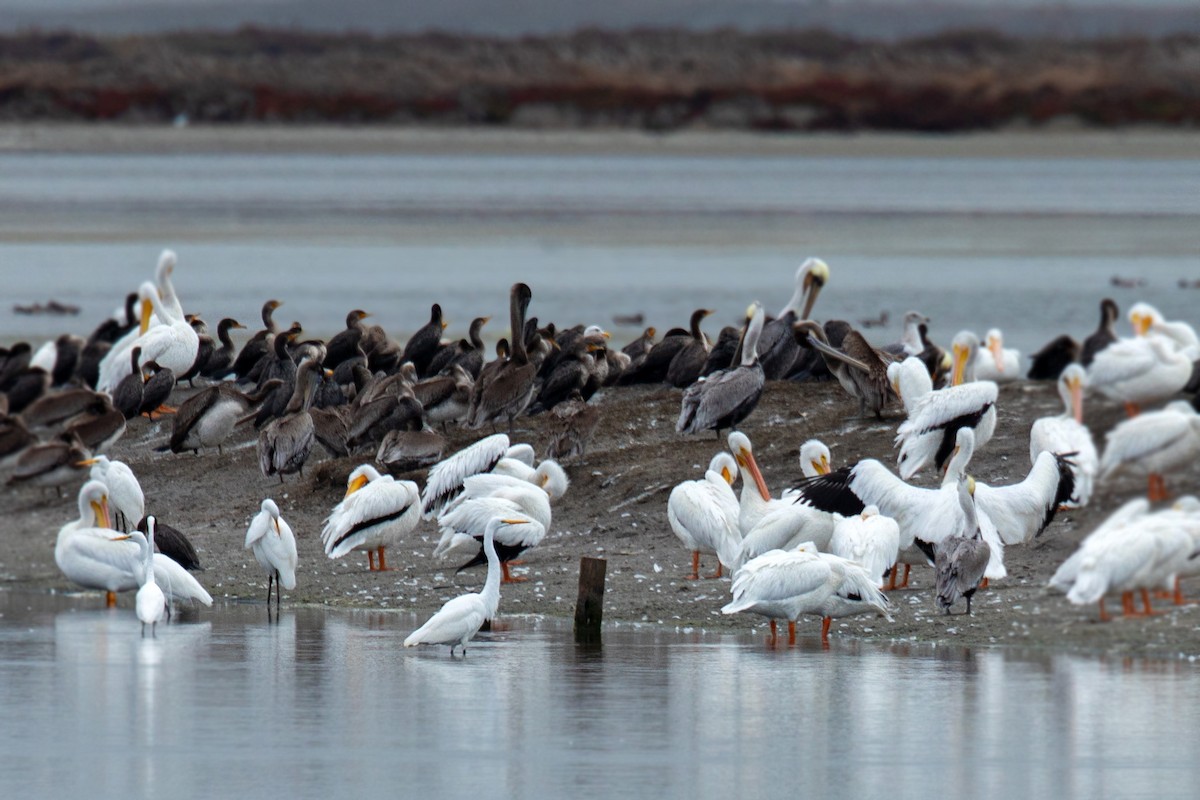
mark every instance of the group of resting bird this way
{"type": "Point", "coordinates": [827, 546]}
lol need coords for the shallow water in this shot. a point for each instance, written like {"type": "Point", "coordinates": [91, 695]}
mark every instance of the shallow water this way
{"type": "Point", "coordinates": [1028, 244]}
{"type": "Point", "coordinates": [328, 702]}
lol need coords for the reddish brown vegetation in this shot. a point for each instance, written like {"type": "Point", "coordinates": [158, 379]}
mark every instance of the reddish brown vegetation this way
{"type": "Point", "coordinates": [660, 80]}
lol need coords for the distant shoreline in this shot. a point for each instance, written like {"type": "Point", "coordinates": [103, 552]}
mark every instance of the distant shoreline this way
{"type": "Point", "coordinates": [116, 138]}
{"type": "Point", "coordinates": [661, 80]}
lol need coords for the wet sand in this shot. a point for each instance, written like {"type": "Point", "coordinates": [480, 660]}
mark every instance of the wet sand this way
{"type": "Point", "coordinates": [616, 509]}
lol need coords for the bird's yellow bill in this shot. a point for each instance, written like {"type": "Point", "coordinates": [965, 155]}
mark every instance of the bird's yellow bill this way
{"type": "Point", "coordinates": [959, 368]}
{"type": "Point", "coordinates": [87, 462]}
{"type": "Point", "coordinates": [997, 348]}
{"type": "Point", "coordinates": [822, 466]}
{"type": "Point", "coordinates": [147, 311]}
{"type": "Point", "coordinates": [1076, 387]}
{"type": "Point", "coordinates": [727, 475]}
{"type": "Point", "coordinates": [746, 459]}
{"type": "Point", "coordinates": [355, 485]}
{"type": "Point", "coordinates": [514, 521]}
{"type": "Point", "coordinates": [1141, 324]}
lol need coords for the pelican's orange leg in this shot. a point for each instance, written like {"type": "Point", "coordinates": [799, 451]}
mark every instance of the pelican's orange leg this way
{"type": "Point", "coordinates": [695, 576]}
{"type": "Point", "coordinates": [904, 583]}
{"type": "Point", "coordinates": [773, 632]}
{"type": "Point", "coordinates": [1127, 604]}
{"type": "Point", "coordinates": [892, 578]}
{"type": "Point", "coordinates": [825, 623]}
{"type": "Point", "coordinates": [110, 599]}
{"type": "Point", "coordinates": [383, 567]}
{"type": "Point", "coordinates": [371, 560]}
{"type": "Point", "coordinates": [718, 573]}
{"type": "Point", "coordinates": [1104, 617]}
{"type": "Point", "coordinates": [1132, 409]}
{"type": "Point", "coordinates": [983, 584]}
{"type": "Point", "coordinates": [1178, 593]}
{"type": "Point", "coordinates": [1146, 603]}
{"type": "Point", "coordinates": [791, 632]}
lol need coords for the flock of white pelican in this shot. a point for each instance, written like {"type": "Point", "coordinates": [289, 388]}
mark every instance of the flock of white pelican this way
{"type": "Point", "coordinates": [831, 545]}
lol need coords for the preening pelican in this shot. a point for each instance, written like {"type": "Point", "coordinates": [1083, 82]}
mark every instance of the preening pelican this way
{"type": "Point", "coordinates": [869, 539]}
{"type": "Point", "coordinates": [445, 481]}
{"type": "Point", "coordinates": [96, 557]}
{"type": "Point", "coordinates": [1145, 369]}
{"type": "Point", "coordinates": [726, 397]}
{"type": "Point", "coordinates": [461, 618]}
{"type": "Point", "coordinates": [1066, 434]}
{"type": "Point", "coordinates": [861, 369]}
{"type": "Point", "coordinates": [925, 516]}
{"type": "Point", "coordinates": [271, 540]}
{"type": "Point", "coordinates": [484, 498]}
{"type": "Point", "coordinates": [929, 432]}
{"type": "Point", "coordinates": [125, 495]}
{"type": "Point", "coordinates": [704, 515]}
{"type": "Point", "coordinates": [151, 603]}
{"type": "Point", "coordinates": [777, 347]}
{"type": "Point", "coordinates": [377, 511]}
{"type": "Point", "coordinates": [910, 381]}
{"type": "Point", "coordinates": [1021, 511]}
{"type": "Point", "coordinates": [786, 584]}
{"type": "Point", "coordinates": [1147, 320]}
{"type": "Point", "coordinates": [1153, 443]}
{"type": "Point", "coordinates": [961, 560]}
{"type": "Point", "coordinates": [995, 362]}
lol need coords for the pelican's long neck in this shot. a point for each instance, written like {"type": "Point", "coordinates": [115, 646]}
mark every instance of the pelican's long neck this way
{"type": "Point", "coordinates": [911, 339]}
{"type": "Point", "coordinates": [750, 344]}
{"type": "Point", "coordinates": [794, 305]}
{"type": "Point", "coordinates": [491, 587]}
{"type": "Point", "coordinates": [968, 506]}
{"type": "Point", "coordinates": [958, 464]}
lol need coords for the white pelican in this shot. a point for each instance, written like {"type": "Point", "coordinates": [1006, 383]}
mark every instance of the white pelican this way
{"type": "Point", "coordinates": [151, 603]}
{"type": "Point", "coordinates": [445, 480]}
{"type": "Point", "coordinates": [173, 345]}
{"type": "Point", "coordinates": [376, 511]}
{"type": "Point", "coordinates": [995, 362]}
{"type": "Point", "coordinates": [98, 558]}
{"type": "Point", "coordinates": [925, 516]}
{"type": "Point", "coordinates": [1064, 576]}
{"type": "Point", "coordinates": [1066, 433]}
{"type": "Point", "coordinates": [1021, 511]}
{"type": "Point", "coordinates": [910, 381]}
{"type": "Point", "coordinates": [1134, 555]}
{"type": "Point", "coordinates": [755, 499]}
{"type": "Point", "coordinates": [271, 540]}
{"type": "Point", "coordinates": [486, 497]}
{"type": "Point", "coordinates": [870, 539]}
{"type": "Point", "coordinates": [461, 618]}
{"type": "Point", "coordinates": [124, 492]}
{"type": "Point", "coordinates": [1145, 369]}
{"type": "Point", "coordinates": [704, 515]}
{"type": "Point", "coordinates": [116, 363]}
{"type": "Point", "coordinates": [1147, 320]}
{"type": "Point", "coordinates": [1153, 443]}
{"type": "Point", "coordinates": [929, 432]}
{"type": "Point", "coordinates": [726, 397]}
{"type": "Point", "coordinates": [961, 560]}
{"type": "Point", "coordinates": [548, 475]}
{"type": "Point", "coordinates": [785, 584]}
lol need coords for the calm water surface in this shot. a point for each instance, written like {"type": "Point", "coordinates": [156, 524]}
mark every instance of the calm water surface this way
{"type": "Point", "coordinates": [1026, 244]}
{"type": "Point", "coordinates": [329, 704]}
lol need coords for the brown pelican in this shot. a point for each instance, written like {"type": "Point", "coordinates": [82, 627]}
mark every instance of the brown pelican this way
{"type": "Point", "coordinates": [446, 398]}
{"type": "Point", "coordinates": [402, 451]}
{"type": "Point", "coordinates": [284, 444]}
{"type": "Point", "coordinates": [511, 387]}
{"type": "Point", "coordinates": [345, 343]}
{"type": "Point", "coordinates": [777, 348]}
{"type": "Point", "coordinates": [689, 361]}
{"type": "Point", "coordinates": [859, 368]}
{"type": "Point", "coordinates": [55, 463]}
{"type": "Point", "coordinates": [56, 408]}
{"type": "Point", "coordinates": [421, 348]}
{"type": "Point", "coordinates": [220, 363]}
{"type": "Point", "coordinates": [1104, 335]}
{"type": "Point", "coordinates": [259, 344]}
{"type": "Point", "coordinates": [961, 560]}
{"type": "Point", "coordinates": [207, 418]}
{"type": "Point", "coordinates": [725, 398]}
{"type": "Point", "coordinates": [14, 439]}
{"type": "Point", "coordinates": [572, 424]}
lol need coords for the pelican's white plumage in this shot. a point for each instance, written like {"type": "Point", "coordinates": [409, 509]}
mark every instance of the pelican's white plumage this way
{"type": "Point", "coordinates": [445, 479]}
{"type": "Point", "coordinates": [271, 540]}
{"type": "Point", "coordinates": [910, 381]}
{"type": "Point", "coordinates": [1147, 320]}
{"type": "Point", "coordinates": [150, 603]}
{"type": "Point", "coordinates": [376, 512]}
{"type": "Point", "coordinates": [786, 584]}
{"type": "Point", "coordinates": [928, 435]}
{"type": "Point", "coordinates": [929, 515]}
{"type": "Point", "coordinates": [995, 362]}
{"type": "Point", "coordinates": [1138, 371]}
{"type": "Point", "coordinates": [98, 558]}
{"type": "Point", "coordinates": [869, 539]}
{"type": "Point", "coordinates": [1153, 443]}
{"type": "Point", "coordinates": [116, 363]}
{"type": "Point", "coordinates": [1066, 433]}
{"type": "Point", "coordinates": [125, 496]}
{"type": "Point", "coordinates": [1064, 576]}
{"type": "Point", "coordinates": [486, 497]}
{"type": "Point", "coordinates": [704, 514]}
{"type": "Point", "coordinates": [461, 618]}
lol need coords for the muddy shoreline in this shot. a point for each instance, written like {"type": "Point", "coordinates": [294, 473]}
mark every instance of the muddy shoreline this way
{"type": "Point", "coordinates": [616, 509]}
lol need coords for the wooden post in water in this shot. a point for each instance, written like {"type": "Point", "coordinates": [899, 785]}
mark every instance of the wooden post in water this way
{"type": "Point", "coordinates": [589, 609]}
